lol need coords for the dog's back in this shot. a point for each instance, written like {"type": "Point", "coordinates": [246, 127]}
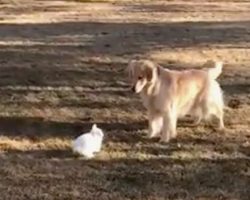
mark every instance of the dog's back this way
{"type": "Point", "coordinates": [192, 89]}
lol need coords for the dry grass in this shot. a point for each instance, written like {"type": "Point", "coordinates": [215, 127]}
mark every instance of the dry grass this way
{"type": "Point", "coordinates": [62, 69]}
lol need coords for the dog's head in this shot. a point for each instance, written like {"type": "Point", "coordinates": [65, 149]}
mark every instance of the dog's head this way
{"type": "Point", "coordinates": [142, 73]}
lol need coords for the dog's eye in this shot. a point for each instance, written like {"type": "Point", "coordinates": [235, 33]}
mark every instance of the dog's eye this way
{"type": "Point", "coordinates": [140, 77]}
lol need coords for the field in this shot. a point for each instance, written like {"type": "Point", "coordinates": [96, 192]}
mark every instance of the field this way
{"type": "Point", "coordinates": [62, 68]}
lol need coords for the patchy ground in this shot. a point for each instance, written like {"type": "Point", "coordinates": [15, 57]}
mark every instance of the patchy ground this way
{"type": "Point", "coordinates": [62, 68]}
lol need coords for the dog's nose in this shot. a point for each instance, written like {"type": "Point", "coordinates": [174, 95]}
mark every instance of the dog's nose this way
{"type": "Point", "coordinates": [133, 89]}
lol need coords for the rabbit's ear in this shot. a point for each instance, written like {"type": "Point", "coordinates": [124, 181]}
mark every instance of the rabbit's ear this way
{"type": "Point", "coordinates": [94, 127]}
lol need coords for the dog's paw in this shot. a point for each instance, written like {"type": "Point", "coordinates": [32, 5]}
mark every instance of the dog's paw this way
{"type": "Point", "coordinates": [152, 135]}
{"type": "Point", "coordinates": [165, 139]}
{"type": "Point", "coordinates": [222, 130]}
{"type": "Point", "coordinates": [196, 122]}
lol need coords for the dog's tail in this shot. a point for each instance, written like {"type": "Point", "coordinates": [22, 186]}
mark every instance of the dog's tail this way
{"type": "Point", "coordinates": [216, 69]}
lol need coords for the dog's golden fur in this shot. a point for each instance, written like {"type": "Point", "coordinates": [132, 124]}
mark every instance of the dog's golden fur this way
{"type": "Point", "coordinates": [170, 94]}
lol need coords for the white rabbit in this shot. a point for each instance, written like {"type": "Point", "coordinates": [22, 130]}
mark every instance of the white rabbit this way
{"type": "Point", "coordinates": [88, 143]}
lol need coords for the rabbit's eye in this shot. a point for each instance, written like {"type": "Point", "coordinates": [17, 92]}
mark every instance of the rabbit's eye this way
{"type": "Point", "coordinates": [140, 77]}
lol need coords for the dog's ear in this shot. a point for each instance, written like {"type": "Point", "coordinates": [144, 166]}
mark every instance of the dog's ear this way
{"type": "Point", "coordinates": [158, 69]}
{"type": "Point", "coordinates": [130, 68]}
{"type": "Point", "coordinates": [152, 72]}
{"type": "Point", "coordinates": [149, 74]}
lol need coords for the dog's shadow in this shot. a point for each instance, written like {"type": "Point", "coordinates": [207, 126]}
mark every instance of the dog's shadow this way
{"type": "Point", "coordinates": [37, 129]}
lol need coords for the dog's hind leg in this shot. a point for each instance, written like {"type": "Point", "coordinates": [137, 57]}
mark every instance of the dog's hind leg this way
{"type": "Point", "coordinates": [197, 114]}
{"type": "Point", "coordinates": [221, 124]}
{"type": "Point", "coordinates": [220, 115]}
{"type": "Point", "coordinates": [155, 124]}
{"type": "Point", "coordinates": [215, 109]}
{"type": "Point", "coordinates": [197, 121]}
{"type": "Point", "coordinates": [216, 103]}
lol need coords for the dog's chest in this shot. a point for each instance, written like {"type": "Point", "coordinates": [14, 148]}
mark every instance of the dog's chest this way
{"type": "Point", "coordinates": [153, 103]}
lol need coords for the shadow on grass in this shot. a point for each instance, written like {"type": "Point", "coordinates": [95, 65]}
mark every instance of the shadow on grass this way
{"type": "Point", "coordinates": [59, 54]}
{"type": "Point", "coordinates": [38, 127]}
{"type": "Point", "coordinates": [129, 178]}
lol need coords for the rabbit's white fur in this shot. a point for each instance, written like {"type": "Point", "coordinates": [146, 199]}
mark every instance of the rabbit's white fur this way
{"type": "Point", "coordinates": [88, 143]}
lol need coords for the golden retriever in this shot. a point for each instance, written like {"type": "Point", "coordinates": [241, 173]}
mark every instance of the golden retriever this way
{"type": "Point", "coordinates": [171, 94]}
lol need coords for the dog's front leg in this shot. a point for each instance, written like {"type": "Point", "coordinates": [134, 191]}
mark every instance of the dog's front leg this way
{"type": "Point", "coordinates": [169, 126]}
{"type": "Point", "coordinates": [155, 124]}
